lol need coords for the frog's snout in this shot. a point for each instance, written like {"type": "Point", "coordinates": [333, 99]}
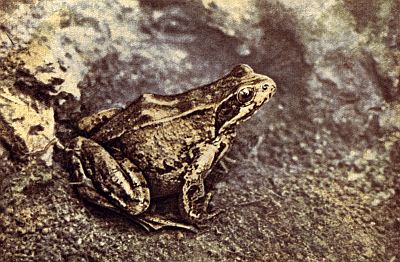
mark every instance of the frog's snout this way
{"type": "Point", "coordinates": [269, 87]}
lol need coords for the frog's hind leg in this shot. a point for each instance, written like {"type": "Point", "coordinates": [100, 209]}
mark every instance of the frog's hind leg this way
{"type": "Point", "coordinates": [147, 221]}
{"type": "Point", "coordinates": [116, 185]}
{"type": "Point", "coordinates": [120, 182]}
{"type": "Point", "coordinates": [90, 195]}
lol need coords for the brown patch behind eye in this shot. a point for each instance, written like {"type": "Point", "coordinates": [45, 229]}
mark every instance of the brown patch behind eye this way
{"type": "Point", "coordinates": [226, 111]}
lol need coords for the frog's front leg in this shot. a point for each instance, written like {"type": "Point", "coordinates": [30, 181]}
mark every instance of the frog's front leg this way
{"type": "Point", "coordinates": [119, 182]}
{"type": "Point", "coordinates": [193, 200]}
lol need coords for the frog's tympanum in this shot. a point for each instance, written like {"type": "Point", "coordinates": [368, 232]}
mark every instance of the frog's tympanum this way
{"type": "Point", "coordinates": [162, 146]}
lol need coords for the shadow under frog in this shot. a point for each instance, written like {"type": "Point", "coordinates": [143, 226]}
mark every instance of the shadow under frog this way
{"type": "Point", "coordinates": [162, 146]}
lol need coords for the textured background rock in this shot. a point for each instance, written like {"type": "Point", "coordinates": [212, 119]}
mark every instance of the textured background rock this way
{"type": "Point", "coordinates": [317, 171]}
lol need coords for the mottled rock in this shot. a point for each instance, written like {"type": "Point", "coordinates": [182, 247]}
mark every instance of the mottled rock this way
{"type": "Point", "coordinates": [26, 125]}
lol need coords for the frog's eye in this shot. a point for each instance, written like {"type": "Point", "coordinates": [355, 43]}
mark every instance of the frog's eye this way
{"type": "Point", "coordinates": [245, 95]}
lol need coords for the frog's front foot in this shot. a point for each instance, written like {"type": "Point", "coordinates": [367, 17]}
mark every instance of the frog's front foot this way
{"type": "Point", "coordinates": [194, 206]}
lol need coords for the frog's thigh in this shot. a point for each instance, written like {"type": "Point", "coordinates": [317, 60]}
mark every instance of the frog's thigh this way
{"type": "Point", "coordinates": [121, 182]}
{"type": "Point", "coordinates": [90, 194]}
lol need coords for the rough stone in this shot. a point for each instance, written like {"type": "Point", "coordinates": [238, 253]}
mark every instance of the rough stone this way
{"type": "Point", "coordinates": [27, 125]}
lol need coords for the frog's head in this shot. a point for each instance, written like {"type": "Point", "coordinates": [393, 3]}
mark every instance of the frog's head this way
{"type": "Point", "coordinates": [246, 92]}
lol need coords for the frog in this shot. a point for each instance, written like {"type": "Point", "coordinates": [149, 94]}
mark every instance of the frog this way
{"type": "Point", "coordinates": [164, 146]}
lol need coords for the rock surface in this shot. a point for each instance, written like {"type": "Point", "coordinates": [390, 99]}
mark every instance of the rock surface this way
{"type": "Point", "coordinates": [26, 120]}
{"type": "Point", "coordinates": [314, 176]}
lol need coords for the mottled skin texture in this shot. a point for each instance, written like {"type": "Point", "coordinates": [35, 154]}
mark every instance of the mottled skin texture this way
{"type": "Point", "coordinates": [164, 145]}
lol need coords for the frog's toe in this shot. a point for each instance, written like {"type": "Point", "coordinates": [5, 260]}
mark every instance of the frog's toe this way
{"type": "Point", "coordinates": [153, 222]}
{"type": "Point", "coordinates": [215, 213]}
{"type": "Point", "coordinates": [207, 200]}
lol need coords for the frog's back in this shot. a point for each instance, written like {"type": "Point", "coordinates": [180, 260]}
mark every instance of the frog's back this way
{"type": "Point", "coordinates": [162, 146]}
{"type": "Point", "coordinates": [162, 150]}
{"type": "Point", "coordinates": [149, 109]}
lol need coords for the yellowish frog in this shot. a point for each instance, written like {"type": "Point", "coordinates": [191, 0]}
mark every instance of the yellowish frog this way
{"type": "Point", "coordinates": [162, 146]}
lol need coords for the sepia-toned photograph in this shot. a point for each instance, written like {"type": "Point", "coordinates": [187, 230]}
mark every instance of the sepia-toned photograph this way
{"type": "Point", "coordinates": [200, 130]}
